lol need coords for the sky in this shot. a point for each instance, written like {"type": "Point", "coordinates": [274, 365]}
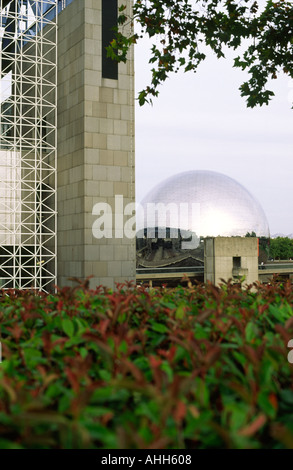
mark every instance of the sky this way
{"type": "Point", "coordinates": [200, 122]}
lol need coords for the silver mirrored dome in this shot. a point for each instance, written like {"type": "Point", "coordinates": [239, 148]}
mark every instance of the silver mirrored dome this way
{"type": "Point", "coordinates": [217, 206]}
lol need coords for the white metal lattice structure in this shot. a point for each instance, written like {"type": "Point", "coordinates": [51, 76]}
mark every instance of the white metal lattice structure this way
{"type": "Point", "coordinates": [28, 92]}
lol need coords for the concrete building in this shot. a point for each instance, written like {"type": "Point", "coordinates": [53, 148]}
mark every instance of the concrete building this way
{"type": "Point", "coordinates": [231, 258]}
{"type": "Point", "coordinates": [66, 143]}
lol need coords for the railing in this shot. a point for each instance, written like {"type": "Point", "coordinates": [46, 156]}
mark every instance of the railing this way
{"type": "Point", "coordinates": [189, 269]}
{"type": "Point", "coordinates": [276, 266]}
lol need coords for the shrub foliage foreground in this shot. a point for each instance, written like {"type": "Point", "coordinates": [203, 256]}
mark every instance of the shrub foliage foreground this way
{"type": "Point", "coordinates": [197, 367]}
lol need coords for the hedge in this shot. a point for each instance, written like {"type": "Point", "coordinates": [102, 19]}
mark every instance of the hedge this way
{"type": "Point", "coordinates": [183, 368]}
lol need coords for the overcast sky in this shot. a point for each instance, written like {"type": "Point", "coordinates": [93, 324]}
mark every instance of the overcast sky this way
{"type": "Point", "coordinates": [200, 122]}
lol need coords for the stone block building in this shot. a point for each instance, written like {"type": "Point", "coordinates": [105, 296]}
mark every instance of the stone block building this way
{"type": "Point", "coordinates": [66, 143]}
{"type": "Point", "coordinates": [231, 258]}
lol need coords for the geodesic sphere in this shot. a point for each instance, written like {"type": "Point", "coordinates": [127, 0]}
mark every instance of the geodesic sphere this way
{"type": "Point", "coordinates": [204, 202]}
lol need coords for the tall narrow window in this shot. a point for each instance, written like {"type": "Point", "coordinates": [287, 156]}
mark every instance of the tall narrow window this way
{"type": "Point", "coordinates": [109, 21]}
{"type": "Point", "coordinates": [236, 262]}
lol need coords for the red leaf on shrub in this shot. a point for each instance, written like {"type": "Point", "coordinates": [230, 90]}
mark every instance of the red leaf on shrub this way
{"type": "Point", "coordinates": [35, 392]}
{"type": "Point", "coordinates": [242, 391]}
{"type": "Point", "coordinates": [16, 331]}
{"type": "Point", "coordinates": [251, 353]}
{"type": "Point", "coordinates": [253, 427]}
{"type": "Point", "coordinates": [168, 354]}
{"type": "Point", "coordinates": [59, 341]}
{"type": "Point", "coordinates": [106, 418]}
{"type": "Point", "coordinates": [59, 305]}
{"type": "Point", "coordinates": [157, 372]}
{"type": "Point", "coordinates": [42, 370]}
{"type": "Point", "coordinates": [103, 326]}
{"type": "Point", "coordinates": [283, 332]}
{"type": "Point", "coordinates": [175, 385]}
{"type": "Point", "coordinates": [289, 323]}
{"type": "Point", "coordinates": [160, 443]}
{"type": "Point", "coordinates": [72, 379]}
{"type": "Point", "coordinates": [47, 342]}
{"type": "Point", "coordinates": [180, 412]}
{"type": "Point", "coordinates": [212, 356]}
{"type": "Point", "coordinates": [95, 339]}
{"type": "Point", "coordinates": [155, 362]}
{"type": "Point", "coordinates": [201, 317]}
{"type": "Point", "coordinates": [273, 400]}
{"type": "Point", "coordinates": [137, 374]}
{"type": "Point", "coordinates": [172, 353]}
{"type": "Point", "coordinates": [262, 308]}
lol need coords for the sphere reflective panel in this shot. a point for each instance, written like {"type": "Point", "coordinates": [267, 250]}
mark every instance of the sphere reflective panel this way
{"type": "Point", "coordinates": [217, 206]}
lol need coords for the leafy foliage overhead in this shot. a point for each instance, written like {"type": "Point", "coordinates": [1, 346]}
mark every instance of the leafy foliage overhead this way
{"type": "Point", "coordinates": [181, 30]}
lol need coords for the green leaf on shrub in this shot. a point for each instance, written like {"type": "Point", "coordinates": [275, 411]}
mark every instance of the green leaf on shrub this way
{"type": "Point", "coordinates": [266, 373]}
{"type": "Point", "coordinates": [55, 389]}
{"type": "Point", "coordinates": [68, 327]}
{"type": "Point", "coordinates": [146, 434]}
{"type": "Point", "coordinates": [81, 325]}
{"type": "Point", "coordinates": [235, 415]}
{"type": "Point", "coordinates": [159, 327]}
{"type": "Point", "coordinates": [111, 343]}
{"type": "Point", "coordinates": [149, 409]}
{"type": "Point", "coordinates": [251, 331]}
{"type": "Point", "coordinates": [202, 392]}
{"type": "Point", "coordinates": [169, 305]}
{"type": "Point", "coordinates": [265, 404]}
{"type": "Point", "coordinates": [33, 357]}
{"type": "Point", "coordinates": [83, 352]}
{"type": "Point", "coordinates": [123, 347]}
{"type": "Point", "coordinates": [64, 402]}
{"type": "Point", "coordinates": [168, 369]}
{"type": "Point", "coordinates": [96, 411]}
{"type": "Point", "coordinates": [201, 332]}
{"type": "Point", "coordinates": [106, 394]}
{"type": "Point", "coordinates": [105, 375]}
{"type": "Point", "coordinates": [180, 312]}
{"type": "Point", "coordinates": [280, 313]}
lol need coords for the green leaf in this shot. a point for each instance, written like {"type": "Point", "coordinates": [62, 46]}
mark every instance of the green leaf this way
{"type": "Point", "coordinates": [105, 375]}
{"type": "Point", "coordinates": [159, 327]}
{"type": "Point", "coordinates": [64, 403]}
{"type": "Point", "coordinates": [251, 331]}
{"type": "Point", "coordinates": [180, 312]}
{"type": "Point", "coordinates": [68, 327]}
{"type": "Point", "coordinates": [168, 369]}
{"type": "Point", "coordinates": [33, 357]}
{"type": "Point", "coordinates": [83, 352]}
{"type": "Point", "coordinates": [148, 409]}
{"type": "Point", "coordinates": [169, 305]}
{"type": "Point", "coordinates": [265, 404]}
{"type": "Point", "coordinates": [123, 347]}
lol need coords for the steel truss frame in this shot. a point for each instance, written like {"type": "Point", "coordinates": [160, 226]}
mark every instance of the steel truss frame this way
{"type": "Point", "coordinates": [28, 144]}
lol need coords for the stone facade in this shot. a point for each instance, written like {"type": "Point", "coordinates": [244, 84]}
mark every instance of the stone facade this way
{"type": "Point", "coordinates": [95, 149]}
{"type": "Point", "coordinates": [231, 258]}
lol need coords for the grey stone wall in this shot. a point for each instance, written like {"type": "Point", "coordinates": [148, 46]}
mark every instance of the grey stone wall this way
{"type": "Point", "coordinates": [219, 253]}
{"type": "Point", "coordinates": [95, 149]}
